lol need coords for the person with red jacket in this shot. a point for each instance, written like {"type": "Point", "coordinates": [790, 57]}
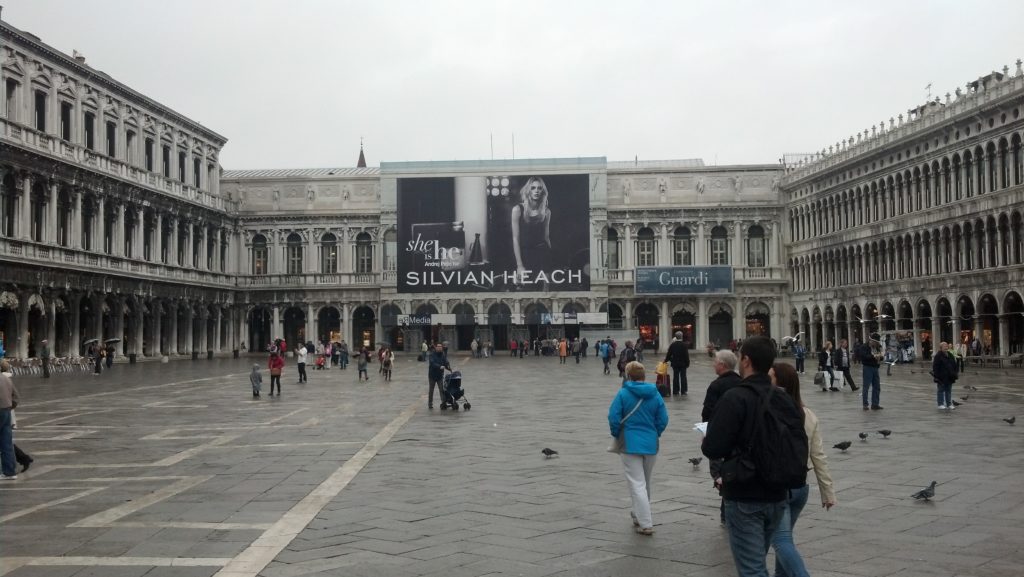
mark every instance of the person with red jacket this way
{"type": "Point", "coordinates": [276, 366]}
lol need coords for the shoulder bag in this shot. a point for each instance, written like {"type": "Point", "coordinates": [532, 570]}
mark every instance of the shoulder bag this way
{"type": "Point", "coordinates": [619, 444]}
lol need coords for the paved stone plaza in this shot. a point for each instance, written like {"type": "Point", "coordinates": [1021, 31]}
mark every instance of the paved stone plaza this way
{"type": "Point", "coordinates": [173, 470]}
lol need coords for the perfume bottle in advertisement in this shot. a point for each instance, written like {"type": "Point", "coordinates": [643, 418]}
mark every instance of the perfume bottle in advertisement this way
{"type": "Point", "coordinates": [476, 253]}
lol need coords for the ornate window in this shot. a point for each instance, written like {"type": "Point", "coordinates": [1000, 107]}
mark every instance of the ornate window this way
{"type": "Point", "coordinates": [259, 255]}
{"type": "Point", "coordinates": [11, 100]}
{"type": "Point", "coordinates": [40, 110]}
{"type": "Point", "coordinates": [609, 247]}
{"type": "Point", "coordinates": [390, 251]}
{"type": "Point", "coordinates": [328, 253]}
{"type": "Point", "coordinates": [682, 247]}
{"type": "Point", "coordinates": [719, 246]}
{"type": "Point", "coordinates": [756, 246]}
{"type": "Point", "coordinates": [364, 253]}
{"type": "Point", "coordinates": [294, 253]}
{"type": "Point", "coordinates": [7, 206]}
{"type": "Point", "coordinates": [646, 247]}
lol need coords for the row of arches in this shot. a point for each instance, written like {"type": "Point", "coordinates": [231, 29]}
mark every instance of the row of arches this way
{"type": "Point", "coordinates": [149, 327]}
{"type": "Point", "coordinates": [987, 167]}
{"type": "Point", "coordinates": [983, 243]}
{"type": "Point", "coordinates": [370, 325]}
{"type": "Point", "coordinates": [997, 322]}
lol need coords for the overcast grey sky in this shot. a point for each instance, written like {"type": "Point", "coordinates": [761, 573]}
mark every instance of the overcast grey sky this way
{"type": "Point", "coordinates": [296, 84]}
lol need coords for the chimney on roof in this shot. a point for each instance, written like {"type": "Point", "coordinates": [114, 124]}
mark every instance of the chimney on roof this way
{"type": "Point", "coordinates": [361, 163]}
{"type": "Point", "coordinates": [79, 57]}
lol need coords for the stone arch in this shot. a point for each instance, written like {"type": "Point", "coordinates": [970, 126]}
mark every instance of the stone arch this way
{"type": "Point", "coordinates": [1013, 311]}
{"type": "Point", "coordinates": [758, 317]}
{"type": "Point", "coordinates": [987, 324]}
{"type": "Point", "coordinates": [720, 323]}
{"type": "Point", "coordinates": [363, 327]}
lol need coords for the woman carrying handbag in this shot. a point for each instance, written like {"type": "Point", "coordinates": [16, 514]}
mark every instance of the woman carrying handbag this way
{"type": "Point", "coordinates": [636, 419]}
{"type": "Point", "coordinates": [826, 365]}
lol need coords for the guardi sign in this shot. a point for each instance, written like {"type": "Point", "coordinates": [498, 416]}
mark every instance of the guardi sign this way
{"type": "Point", "coordinates": [683, 280]}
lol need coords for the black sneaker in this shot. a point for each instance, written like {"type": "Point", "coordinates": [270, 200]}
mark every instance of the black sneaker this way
{"type": "Point", "coordinates": [877, 407]}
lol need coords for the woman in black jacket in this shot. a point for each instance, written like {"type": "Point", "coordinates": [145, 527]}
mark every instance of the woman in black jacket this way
{"type": "Point", "coordinates": [826, 365]}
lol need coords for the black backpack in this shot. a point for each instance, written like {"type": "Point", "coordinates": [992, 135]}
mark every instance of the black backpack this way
{"type": "Point", "coordinates": [625, 357]}
{"type": "Point", "coordinates": [777, 448]}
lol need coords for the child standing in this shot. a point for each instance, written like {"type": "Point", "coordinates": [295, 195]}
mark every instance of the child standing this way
{"type": "Point", "coordinates": [257, 380]}
{"type": "Point", "coordinates": [362, 361]}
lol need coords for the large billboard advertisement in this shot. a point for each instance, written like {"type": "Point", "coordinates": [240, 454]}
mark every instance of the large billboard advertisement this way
{"type": "Point", "coordinates": [493, 233]}
{"type": "Point", "coordinates": [683, 280]}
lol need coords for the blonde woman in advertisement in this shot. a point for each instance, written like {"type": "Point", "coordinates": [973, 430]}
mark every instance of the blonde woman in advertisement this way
{"type": "Point", "coordinates": [531, 227]}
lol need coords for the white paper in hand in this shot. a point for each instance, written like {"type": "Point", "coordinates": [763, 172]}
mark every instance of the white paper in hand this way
{"type": "Point", "coordinates": [701, 428]}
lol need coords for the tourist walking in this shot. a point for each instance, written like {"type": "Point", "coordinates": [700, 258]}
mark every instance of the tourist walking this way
{"type": "Point", "coordinates": [725, 368]}
{"type": "Point", "coordinates": [842, 359]}
{"type": "Point", "coordinates": [8, 402]}
{"type": "Point", "coordinates": [276, 366]}
{"type": "Point", "coordinates": [628, 355]}
{"type": "Point", "coordinates": [362, 364]}
{"type": "Point", "coordinates": [753, 506]}
{"type": "Point", "coordinates": [799, 353]}
{"type": "Point", "coordinates": [945, 374]}
{"type": "Point", "coordinates": [788, 562]}
{"type": "Point", "coordinates": [605, 352]}
{"type": "Point", "coordinates": [678, 356]}
{"type": "Point", "coordinates": [870, 360]}
{"type": "Point", "coordinates": [513, 347]}
{"type": "Point", "coordinates": [638, 414]}
{"type": "Point", "coordinates": [44, 358]}
{"type": "Point", "coordinates": [473, 348]}
{"type": "Point", "coordinates": [576, 350]}
{"type": "Point", "coordinates": [97, 355]}
{"type": "Point", "coordinates": [256, 380]}
{"type": "Point", "coordinates": [437, 363]}
{"type": "Point", "coordinates": [387, 363]}
{"type": "Point", "coordinates": [825, 366]}
{"type": "Point", "coordinates": [563, 350]}
{"type": "Point", "coordinates": [343, 354]}
{"type": "Point", "coordinates": [300, 363]}
{"type": "Point", "coordinates": [584, 345]}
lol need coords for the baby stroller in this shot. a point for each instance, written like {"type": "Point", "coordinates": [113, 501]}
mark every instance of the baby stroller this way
{"type": "Point", "coordinates": [452, 392]}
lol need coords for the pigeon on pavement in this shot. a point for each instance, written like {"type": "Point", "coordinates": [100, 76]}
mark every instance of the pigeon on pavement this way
{"type": "Point", "coordinates": [964, 398]}
{"type": "Point", "coordinates": [863, 436]}
{"type": "Point", "coordinates": [927, 493]}
{"type": "Point", "coordinates": [842, 446]}
{"type": "Point", "coordinates": [885, 433]}
{"type": "Point", "coordinates": [1011, 420]}
{"type": "Point", "coordinates": [548, 453]}
{"type": "Point", "coordinates": [695, 461]}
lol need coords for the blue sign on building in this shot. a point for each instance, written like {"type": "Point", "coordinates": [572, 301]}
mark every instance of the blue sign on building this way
{"type": "Point", "coordinates": [683, 280]}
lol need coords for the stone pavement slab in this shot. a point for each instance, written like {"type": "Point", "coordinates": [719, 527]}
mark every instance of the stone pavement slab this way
{"type": "Point", "coordinates": [172, 469]}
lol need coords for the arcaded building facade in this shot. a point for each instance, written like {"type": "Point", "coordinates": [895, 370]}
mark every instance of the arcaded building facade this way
{"type": "Point", "coordinates": [914, 225]}
{"type": "Point", "coordinates": [321, 255]}
{"type": "Point", "coordinates": [111, 220]}
{"type": "Point", "coordinates": [117, 222]}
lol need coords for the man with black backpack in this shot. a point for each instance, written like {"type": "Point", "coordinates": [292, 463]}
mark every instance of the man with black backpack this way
{"type": "Point", "coordinates": [628, 355]}
{"type": "Point", "coordinates": [758, 430]}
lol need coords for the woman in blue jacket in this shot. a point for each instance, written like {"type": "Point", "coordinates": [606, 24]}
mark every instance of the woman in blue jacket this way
{"type": "Point", "coordinates": [643, 411]}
